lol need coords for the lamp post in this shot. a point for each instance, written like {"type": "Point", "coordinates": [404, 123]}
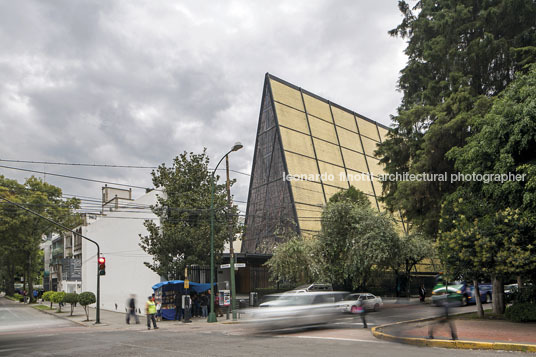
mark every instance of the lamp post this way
{"type": "Point", "coordinates": [212, 315]}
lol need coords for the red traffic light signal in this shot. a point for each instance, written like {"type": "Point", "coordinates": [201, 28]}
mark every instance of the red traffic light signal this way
{"type": "Point", "coordinates": [102, 265]}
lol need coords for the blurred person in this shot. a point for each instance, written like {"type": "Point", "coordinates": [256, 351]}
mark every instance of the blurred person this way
{"type": "Point", "coordinates": [132, 309]}
{"type": "Point", "coordinates": [150, 310]}
{"type": "Point", "coordinates": [445, 319]}
{"type": "Point", "coordinates": [204, 305]}
{"type": "Point", "coordinates": [158, 309]}
{"type": "Point", "coordinates": [179, 312]}
{"type": "Point", "coordinates": [422, 293]}
{"type": "Point", "coordinates": [362, 312]}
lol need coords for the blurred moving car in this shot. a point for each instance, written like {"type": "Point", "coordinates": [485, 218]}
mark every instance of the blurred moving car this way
{"type": "Point", "coordinates": [460, 292]}
{"type": "Point", "coordinates": [296, 310]}
{"type": "Point", "coordinates": [370, 302]}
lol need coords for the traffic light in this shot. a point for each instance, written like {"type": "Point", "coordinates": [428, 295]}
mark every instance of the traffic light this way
{"type": "Point", "coordinates": [102, 266]}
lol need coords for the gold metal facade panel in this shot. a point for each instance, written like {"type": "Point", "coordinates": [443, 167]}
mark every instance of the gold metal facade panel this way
{"type": "Point", "coordinates": [297, 142]}
{"type": "Point", "coordinates": [321, 129]}
{"type": "Point", "coordinates": [285, 94]}
{"type": "Point", "coordinates": [328, 152]}
{"type": "Point", "coordinates": [300, 165]}
{"type": "Point", "coordinates": [370, 146]}
{"type": "Point", "coordinates": [377, 186]}
{"type": "Point", "coordinates": [383, 133]}
{"type": "Point", "coordinates": [372, 200]}
{"type": "Point", "coordinates": [291, 118]}
{"type": "Point", "coordinates": [309, 218]}
{"type": "Point", "coordinates": [375, 166]}
{"type": "Point", "coordinates": [367, 128]}
{"type": "Point", "coordinates": [359, 181]}
{"type": "Point", "coordinates": [354, 160]}
{"type": "Point", "coordinates": [344, 119]}
{"type": "Point", "coordinates": [310, 225]}
{"type": "Point", "coordinates": [330, 190]}
{"type": "Point", "coordinates": [349, 140]}
{"type": "Point", "coordinates": [317, 107]}
{"type": "Point", "coordinates": [333, 175]}
{"type": "Point", "coordinates": [307, 192]}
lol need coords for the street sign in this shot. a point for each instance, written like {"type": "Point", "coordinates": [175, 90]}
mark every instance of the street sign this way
{"type": "Point", "coordinates": [240, 265]}
{"type": "Point", "coordinates": [225, 266]}
{"type": "Point", "coordinates": [186, 283]}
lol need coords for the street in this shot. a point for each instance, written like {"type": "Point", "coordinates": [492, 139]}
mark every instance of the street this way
{"type": "Point", "coordinates": [26, 331]}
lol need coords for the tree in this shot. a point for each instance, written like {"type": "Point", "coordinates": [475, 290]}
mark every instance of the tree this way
{"type": "Point", "coordinates": [21, 232]}
{"type": "Point", "coordinates": [460, 54]}
{"type": "Point", "coordinates": [47, 296]}
{"type": "Point", "coordinates": [411, 250]}
{"type": "Point", "coordinates": [58, 297]}
{"type": "Point", "coordinates": [352, 195]}
{"type": "Point", "coordinates": [353, 241]}
{"type": "Point", "coordinates": [85, 299]}
{"type": "Point", "coordinates": [182, 237]}
{"type": "Point", "coordinates": [72, 299]}
{"type": "Point", "coordinates": [496, 218]}
{"type": "Point", "coordinates": [294, 261]}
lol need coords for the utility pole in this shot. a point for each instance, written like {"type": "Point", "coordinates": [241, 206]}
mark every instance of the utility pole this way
{"type": "Point", "coordinates": [231, 240]}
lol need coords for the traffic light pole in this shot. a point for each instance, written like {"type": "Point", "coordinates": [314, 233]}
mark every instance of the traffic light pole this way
{"type": "Point", "coordinates": [97, 317]}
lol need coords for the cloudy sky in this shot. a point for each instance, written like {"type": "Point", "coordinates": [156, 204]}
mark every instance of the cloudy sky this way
{"type": "Point", "coordinates": [137, 82]}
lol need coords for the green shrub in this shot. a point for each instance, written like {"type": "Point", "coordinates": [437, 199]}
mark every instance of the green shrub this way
{"type": "Point", "coordinates": [524, 294]}
{"type": "Point", "coordinates": [85, 299]}
{"type": "Point", "coordinates": [71, 298]}
{"type": "Point", "coordinates": [47, 296]}
{"type": "Point", "coordinates": [58, 297]}
{"type": "Point", "coordinates": [521, 312]}
{"type": "Point", "coordinates": [18, 297]}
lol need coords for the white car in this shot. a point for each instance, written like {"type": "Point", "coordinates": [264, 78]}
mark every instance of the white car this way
{"type": "Point", "coordinates": [296, 309]}
{"type": "Point", "coordinates": [370, 302]}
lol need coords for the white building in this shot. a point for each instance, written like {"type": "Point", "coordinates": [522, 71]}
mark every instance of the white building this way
{"type": "Point", "coordinates": [117, 232]}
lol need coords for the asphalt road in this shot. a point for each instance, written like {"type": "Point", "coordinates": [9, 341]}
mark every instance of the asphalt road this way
{"type": "Point", "coordinates": [25, 331]}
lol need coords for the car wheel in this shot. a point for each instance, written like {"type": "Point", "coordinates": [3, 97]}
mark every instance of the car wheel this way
{"type": "Point", "coordinates": [376, 307]}
{"type": "Point", "coordinates": [354, 309]}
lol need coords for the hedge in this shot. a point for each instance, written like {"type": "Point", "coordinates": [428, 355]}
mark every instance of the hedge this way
{"type": "Point", "coordinates": [521, 312]}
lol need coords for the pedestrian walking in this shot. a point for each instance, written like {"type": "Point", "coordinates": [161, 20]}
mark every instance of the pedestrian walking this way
{"type": "Point", "coordinates": [132, 309]}
{"type": "Point", "coordinates": [361, 312]}
{"type": "Point", "coordinates": [179, 313]}
{"type": "Point", "coordinates": [422, 293]}
{"type": "Point", "coordinates": [445, 319]}
{"type": "Point", "coordinates": [150, 310]}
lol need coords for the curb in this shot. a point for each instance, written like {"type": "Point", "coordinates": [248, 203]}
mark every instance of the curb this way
{"type": "Point", "coordinates": [60, 317]}
{"type": "Point", "coordinates": [458, 344]}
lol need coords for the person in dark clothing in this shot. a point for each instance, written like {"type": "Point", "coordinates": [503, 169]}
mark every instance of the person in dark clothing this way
{"type": "Point", "coordinates": [132, 309]}
{"type": "Point", "coordinates": [445, 319]}
{"type": "Point", "coordinates": [422, 293]}
{"type": "Point", "coordinates": [179, 313]}
{"type": "Point", "coordinates": [362, 312]}
{"type": "Point", "coordinates": [204, 305]}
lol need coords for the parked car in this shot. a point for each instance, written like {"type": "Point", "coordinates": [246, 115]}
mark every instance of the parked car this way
{"type": "Point", "coordinates": [296, 310]}
{"type": "Point", "coordinates": [370, 302]}
{"type": "Point", "coordinates": [460, 292]}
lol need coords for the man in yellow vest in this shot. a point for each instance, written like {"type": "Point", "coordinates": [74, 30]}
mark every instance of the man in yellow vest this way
{"type": "Point", "coordinates": [150, 310]}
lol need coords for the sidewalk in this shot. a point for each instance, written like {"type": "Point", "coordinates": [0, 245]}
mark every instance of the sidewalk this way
{"type": "Point", "coordinates": [117, 320]}
{"type": "Point", "coordinates": [472, 334]}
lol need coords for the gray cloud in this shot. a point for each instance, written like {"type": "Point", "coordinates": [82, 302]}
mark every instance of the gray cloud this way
{"type": "Point", "coordinates": [139, 82]}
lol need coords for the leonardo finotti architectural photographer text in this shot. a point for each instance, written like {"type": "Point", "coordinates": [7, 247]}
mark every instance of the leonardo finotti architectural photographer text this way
{"type": "Point", "coordinates": [406, 176]}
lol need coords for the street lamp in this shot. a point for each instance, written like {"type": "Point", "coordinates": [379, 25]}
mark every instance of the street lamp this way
{"type": "Point", "coordinates": [212, 315]}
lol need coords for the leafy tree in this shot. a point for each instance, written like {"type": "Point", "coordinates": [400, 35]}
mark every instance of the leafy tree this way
{"type": "Point", "coordinates": [294, 261]}
{"type": "Point", "coordinates": [495, 220]}
{"type": "Point", "coordinates": [352, 195]}
{"type": "Point", "coordinates": [47, 296]}
{"type": "Point", "coordinates": [411, 249]}
{"type": "Point", "coordinates": [85, 299]}
{"type": "Point", "coordinates": [353, 241]}
{"type": "Point", "coordinates": [21, 232]}
{"type": "Point", "coordinates": [58, 297]}
{"type": "Point", "coordinates": [183, 236]}
{"type": "Point", "coordinates": [72, 299]}
{"type": "Point", "coordinates": [460, 53]}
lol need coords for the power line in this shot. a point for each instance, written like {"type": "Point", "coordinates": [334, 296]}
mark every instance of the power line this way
{"type": "Point", "coordinates": [100, 165]}
{"type": "Point", "coordinates": [75, 177]}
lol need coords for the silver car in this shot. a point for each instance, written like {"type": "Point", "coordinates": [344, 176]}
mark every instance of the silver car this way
{"type": "Point", "coordinates": [369, 301]}
{"type": "Point", "coordinates": [296, 310]}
